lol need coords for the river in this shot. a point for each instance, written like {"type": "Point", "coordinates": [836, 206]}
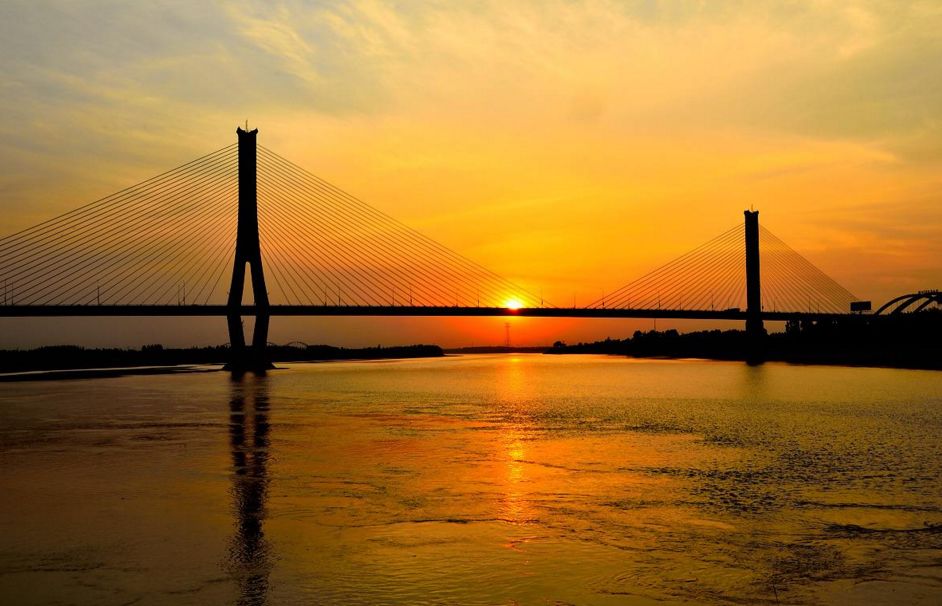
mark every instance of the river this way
{"type": "Point", "coordinates": [492, 479]}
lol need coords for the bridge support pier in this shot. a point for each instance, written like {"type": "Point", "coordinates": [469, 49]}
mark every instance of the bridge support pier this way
{"type": "Point", "coordinates": [248, 252]}
{"type": "Point", "coordinates": [755, 330]}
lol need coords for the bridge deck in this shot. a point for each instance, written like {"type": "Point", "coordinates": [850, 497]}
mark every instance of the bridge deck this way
{"type": "Point", "coordinates": [394, 311]}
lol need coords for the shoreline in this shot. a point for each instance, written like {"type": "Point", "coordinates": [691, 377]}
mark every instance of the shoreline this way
{"type": "Point", "coordinates": [804, 347]}
{"type": "Point", "coordinates": [69, 361]}
{"type": "Point", "coordinates": [908, 343]}
{"type": "Point", "coordinates": [67, 374]}
{"type": "Point", "coordinates": [75, 374]}
{"type": "Point", "coordinates": [768, 360]}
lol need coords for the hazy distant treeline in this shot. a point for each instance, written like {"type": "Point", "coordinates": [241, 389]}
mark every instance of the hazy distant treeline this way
{"type": "Point", "coordinates": [906, 341]}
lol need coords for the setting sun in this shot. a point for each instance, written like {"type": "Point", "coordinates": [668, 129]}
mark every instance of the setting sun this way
{"type": "Point", "coordinates": [513, 304]}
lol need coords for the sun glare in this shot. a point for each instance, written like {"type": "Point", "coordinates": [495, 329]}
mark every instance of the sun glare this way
{"type": "Point", "coordinates": [513, 304]}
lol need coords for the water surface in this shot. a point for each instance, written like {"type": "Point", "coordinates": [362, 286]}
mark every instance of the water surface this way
{"type": "Point", "coordinates": [517, 479]}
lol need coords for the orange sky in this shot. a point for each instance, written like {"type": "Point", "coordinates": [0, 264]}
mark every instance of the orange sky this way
{"type": "Point", "coordinates": [568, 146]}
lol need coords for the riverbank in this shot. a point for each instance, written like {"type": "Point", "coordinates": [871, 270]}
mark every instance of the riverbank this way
{"type": "Point", "coordinates": [808, 345]}
{"type": "Point", "coordinates": [102, 373]}
{"type": "Point", "coordinates": [70, 361]}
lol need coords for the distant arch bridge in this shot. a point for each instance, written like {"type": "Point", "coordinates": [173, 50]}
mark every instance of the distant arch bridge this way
{"type": "Point", "coordinates": [913, 302]}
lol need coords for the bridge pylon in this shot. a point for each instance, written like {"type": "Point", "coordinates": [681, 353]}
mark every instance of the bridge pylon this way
{"type": "Point", "coordinates": [755, 329]}
{"type": "Point", "coordinates": [247, 252]}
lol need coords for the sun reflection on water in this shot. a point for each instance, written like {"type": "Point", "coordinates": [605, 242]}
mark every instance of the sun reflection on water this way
{"type": "Point", "coordinates": [515, 394]}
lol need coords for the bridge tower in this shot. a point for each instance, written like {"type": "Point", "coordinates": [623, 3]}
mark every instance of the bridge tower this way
{"type": "Point", "coordinates": [754, 326]}
{"type": "Point", "coordinates": [247, 251]}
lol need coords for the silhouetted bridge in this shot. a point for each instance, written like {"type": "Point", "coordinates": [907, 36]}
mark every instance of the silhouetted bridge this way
{"type": "Point", "coordinates": [164, 247]}
{"type": "Point", "coordinates": [397, 311]}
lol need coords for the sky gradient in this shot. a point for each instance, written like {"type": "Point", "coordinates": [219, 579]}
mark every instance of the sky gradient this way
{"type": "Point", "coordinates": [567, 146]}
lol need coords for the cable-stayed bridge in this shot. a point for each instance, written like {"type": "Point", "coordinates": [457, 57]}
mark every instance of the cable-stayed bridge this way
{"type": "Point", "coordinates": [180, 243]}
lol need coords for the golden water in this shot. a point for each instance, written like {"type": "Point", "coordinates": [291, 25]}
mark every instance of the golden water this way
{"type": "Point", "coordinates": [476, 480]}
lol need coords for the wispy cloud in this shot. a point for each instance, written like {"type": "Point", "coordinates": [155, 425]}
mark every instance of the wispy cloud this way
{"type": "Point", "coordinates": [490, 121]}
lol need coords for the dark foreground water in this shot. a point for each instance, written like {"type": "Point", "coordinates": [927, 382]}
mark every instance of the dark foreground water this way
{"type": "Point", "coordinates": [476, 480]}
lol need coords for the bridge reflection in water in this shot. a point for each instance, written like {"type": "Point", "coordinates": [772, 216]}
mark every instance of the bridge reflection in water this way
{"type": "Point", "coordinates": [249, 557]}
